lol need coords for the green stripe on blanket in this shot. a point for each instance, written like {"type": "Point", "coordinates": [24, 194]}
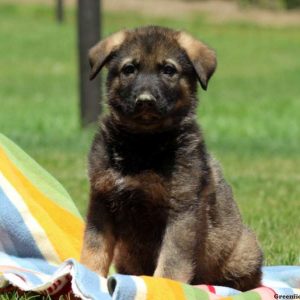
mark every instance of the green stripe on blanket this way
{"type": "Point", "coordinates": [38, 176]}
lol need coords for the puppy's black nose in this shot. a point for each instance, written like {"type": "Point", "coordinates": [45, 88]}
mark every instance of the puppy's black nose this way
{"type": "Point", "coordinates": [145, 100]}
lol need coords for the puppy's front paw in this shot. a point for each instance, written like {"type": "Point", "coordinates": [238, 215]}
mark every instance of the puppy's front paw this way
{"type": "Point", "coordinates": [94, 262]}
{"type": "Point", "coordinates": [179, 273]}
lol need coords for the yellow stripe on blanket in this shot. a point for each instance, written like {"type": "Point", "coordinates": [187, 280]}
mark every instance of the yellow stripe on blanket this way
{"type": "Point", "coordinates": [162, 288]}
{"type": "Point", "coordinates": [63, 229]}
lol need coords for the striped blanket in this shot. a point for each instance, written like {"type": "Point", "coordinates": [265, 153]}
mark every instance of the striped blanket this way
{"type": "Point", "coordinates": [41, 237]}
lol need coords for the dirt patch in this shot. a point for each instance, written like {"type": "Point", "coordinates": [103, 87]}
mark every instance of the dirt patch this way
{"type": "Point", "coordinates": [216, 11]}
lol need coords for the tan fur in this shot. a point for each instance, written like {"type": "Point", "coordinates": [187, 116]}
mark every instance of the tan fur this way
{"type": "Point", "coordinates": [99, 53]}
{"type": "Point", "coordinates": [203, 58]}
{"type": "Point", "coordinates": [98, 260]}
{"type": "Point", "coordinates": [126, 61]}
{"type": "Point", "coordinates": [147, 181]}
{"type": "Point", "coordinates": [165, 123]}
{"type": "Point", "coordinates": [175, 63]}
{"type": "Point", "coordinates": [184, 101]}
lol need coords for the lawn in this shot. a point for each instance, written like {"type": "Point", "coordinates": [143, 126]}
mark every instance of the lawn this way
{"type": "Point", "coordinates": [250, 113]}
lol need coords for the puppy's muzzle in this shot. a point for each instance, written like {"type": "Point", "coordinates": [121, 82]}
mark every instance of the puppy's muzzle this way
{"type": "Point", "coordinates": [145, 101]}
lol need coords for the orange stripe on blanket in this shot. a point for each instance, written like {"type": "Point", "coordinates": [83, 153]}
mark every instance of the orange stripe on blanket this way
{"type": "Point", "coordinates": [162, 288]}
{"type": "Point", "coordinates": [64, 230]}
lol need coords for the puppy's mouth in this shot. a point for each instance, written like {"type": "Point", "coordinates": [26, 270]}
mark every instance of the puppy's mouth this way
{"type": "Point", "coordinates": [146, 110]}
{"type": "Point", "coordinates": [147, 116]}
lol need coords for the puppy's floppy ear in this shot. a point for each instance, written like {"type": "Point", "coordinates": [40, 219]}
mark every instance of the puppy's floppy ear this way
{"type": "Point", "coordinates": [100, 53]}
{"type": "Point", "coordinates": [203, 58]}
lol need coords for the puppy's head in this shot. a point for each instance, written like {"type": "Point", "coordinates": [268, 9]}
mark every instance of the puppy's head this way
{"type": "Point", "coordinates": [152, 74]}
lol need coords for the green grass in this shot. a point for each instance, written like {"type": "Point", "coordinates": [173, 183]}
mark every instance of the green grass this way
{"type": "Point", "coordinates": [250, 114]}
{"type": "Point", "coordinates": [29, 296]}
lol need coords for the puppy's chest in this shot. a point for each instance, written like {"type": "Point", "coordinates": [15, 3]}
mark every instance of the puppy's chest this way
{"type": "Point", "coordinates": [144, 190]}
{"type": "Point", "coordinates": [142, 158]}
{"type": "Point", "coordinates": [139, 201]}
{"type": "Point", "coordinates": [144, 166]}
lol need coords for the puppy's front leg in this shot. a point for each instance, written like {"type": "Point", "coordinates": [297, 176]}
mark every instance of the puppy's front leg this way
{"type": "Point", "coordinates": [176, 258]}
{"type": "Point", "coordinates": [99, 240]}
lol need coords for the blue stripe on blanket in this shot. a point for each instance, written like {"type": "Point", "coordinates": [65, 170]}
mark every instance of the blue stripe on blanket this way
{"type": "Point", "coordinates": [288, 293]}
{"type": "Point", "coordinates": [122, 287]}
{"type": "Point", "coordinates": [226, 291]}
{"type": "Point", "coordinates": [88, 282]}
{"type": "Point", "coordinates": [34, 264]}
{"type": "Point", "coordinates": [6, 243]}
{"type": "Point", "coordinates": [31, 279]}
{"type": "Point", "coordinates": [24, 244]}
{"type": "Point", "coordinates": [287, 274]}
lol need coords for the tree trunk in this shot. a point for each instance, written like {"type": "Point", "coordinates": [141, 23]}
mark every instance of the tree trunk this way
{"type": "Point", "coordinates": [60, 11]}
{"type": "Point", "coordinates": [88, 35]}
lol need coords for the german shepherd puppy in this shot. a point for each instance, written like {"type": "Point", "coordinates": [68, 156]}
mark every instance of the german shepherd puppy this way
{"type": "Point", "coordinates": [159, 204]}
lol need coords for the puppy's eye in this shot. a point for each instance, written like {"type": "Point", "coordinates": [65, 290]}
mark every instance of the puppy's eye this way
{"type": "Point", "coordinates": [169, 70]}
{"type": "Point", "coordinates": [128, 69]}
